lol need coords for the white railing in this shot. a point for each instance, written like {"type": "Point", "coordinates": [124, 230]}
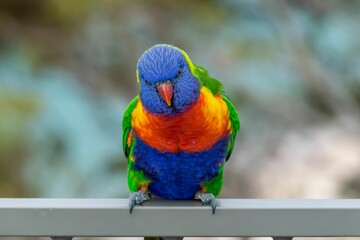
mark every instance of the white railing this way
{"type": "Point", "coordinates": [67, 218]}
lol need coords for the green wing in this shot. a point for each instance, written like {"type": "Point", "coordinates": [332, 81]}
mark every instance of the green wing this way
{"type": "Point", "coordinates": [235, 124]}
{"type": "Point", "coordinates": [126, 125]}
{"type": "Point", "coordinates": [135, 178]}
{"type": "Point", "coordinates": [217, 88]}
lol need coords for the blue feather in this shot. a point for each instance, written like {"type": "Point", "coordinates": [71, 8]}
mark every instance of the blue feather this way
{"type": "Point", "coordinates": [178, 175]}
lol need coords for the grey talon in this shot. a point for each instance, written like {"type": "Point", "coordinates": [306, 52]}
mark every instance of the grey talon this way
{"type": "Point", "coordinates": [213, 205]}
{"type": "Point", "coordinates": [207, 199]}
{"type": "Point", "coordinates": [137, 198]}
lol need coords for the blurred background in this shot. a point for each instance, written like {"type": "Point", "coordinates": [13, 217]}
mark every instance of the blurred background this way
{"type": "Point", "coordinates": [292, 69]}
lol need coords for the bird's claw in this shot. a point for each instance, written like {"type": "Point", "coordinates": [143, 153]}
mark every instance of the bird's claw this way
{"type": "Point", "coordinates": [137, 198]}
{"type": "Point", "coordinates": [207, 199]}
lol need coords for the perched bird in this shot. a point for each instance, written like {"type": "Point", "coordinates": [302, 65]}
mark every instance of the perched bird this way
{"type": "Point", "coordinates": [179, 131]}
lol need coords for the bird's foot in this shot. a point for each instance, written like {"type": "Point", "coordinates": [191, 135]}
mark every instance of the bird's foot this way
{"type": "Point", "coordinates": [207, 199]}
{"type": "Point", "coordinates": [137, 198]}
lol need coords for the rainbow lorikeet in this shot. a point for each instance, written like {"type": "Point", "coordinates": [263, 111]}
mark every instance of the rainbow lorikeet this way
{"type": "Point", "coordinates": [179, 131]}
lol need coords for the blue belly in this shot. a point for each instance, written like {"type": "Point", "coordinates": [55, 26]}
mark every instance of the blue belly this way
{"type": "Point", "coordinates": [178, 175]}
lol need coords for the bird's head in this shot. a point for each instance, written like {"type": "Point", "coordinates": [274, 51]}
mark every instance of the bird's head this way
{"type": "Point", "coordinates": [167, 83]}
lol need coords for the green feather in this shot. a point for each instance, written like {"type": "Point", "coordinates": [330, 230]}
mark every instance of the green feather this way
{"type": "Point", "coordinates": [211, 83]}
{"type": "Point", "coordinates": [214, 185]}
{"type": "Point", "coordinates": [126, 125]}
{"type": "Point", "coordinates": [235, 124]}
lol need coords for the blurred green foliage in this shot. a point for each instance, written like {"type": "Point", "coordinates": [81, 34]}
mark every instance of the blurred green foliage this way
{"type": "Point", "coordinates": [16, 110]}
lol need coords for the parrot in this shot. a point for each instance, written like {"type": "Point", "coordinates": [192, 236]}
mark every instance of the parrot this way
{"type": "Point", "coordinates": [178, 132]}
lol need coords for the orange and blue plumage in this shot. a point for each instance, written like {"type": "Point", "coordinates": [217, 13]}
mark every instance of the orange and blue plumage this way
{"type": "Point", "coordinates": [180, 130]}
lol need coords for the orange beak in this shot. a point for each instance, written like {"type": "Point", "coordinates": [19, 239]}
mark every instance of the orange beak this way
{"type": "Point", "coordinates": [166, 91]}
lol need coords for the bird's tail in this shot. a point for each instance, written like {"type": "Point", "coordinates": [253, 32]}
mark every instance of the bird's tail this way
{"type": "Point", "coordinates": [163, 238]}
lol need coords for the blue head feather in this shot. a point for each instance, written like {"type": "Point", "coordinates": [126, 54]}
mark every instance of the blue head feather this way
{"type": "Point", "coordinates": [161, 63]}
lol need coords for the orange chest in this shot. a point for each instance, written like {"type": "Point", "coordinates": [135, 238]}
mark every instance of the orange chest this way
{"type": "Point", "coordinates": [197, 129]}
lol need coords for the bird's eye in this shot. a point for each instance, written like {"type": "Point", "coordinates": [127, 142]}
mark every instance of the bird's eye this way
{"type": "Point", "coordinates": [147, 83]}
{"type": "Point", "coordinates": [179, 72]}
